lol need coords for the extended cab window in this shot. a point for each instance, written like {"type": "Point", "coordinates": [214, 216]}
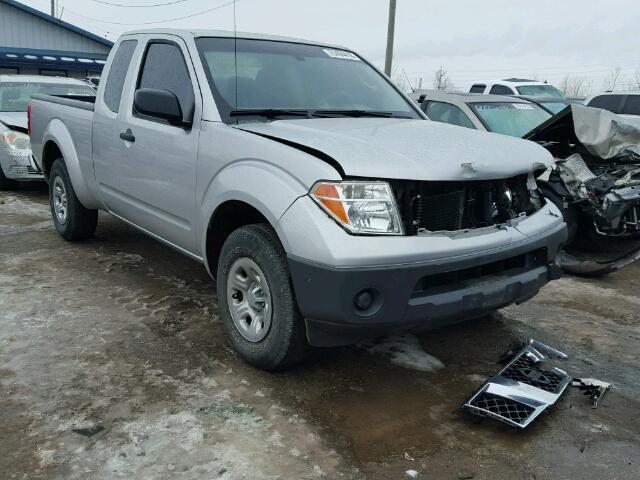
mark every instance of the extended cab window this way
{"type": "Point", "coordinates": [117, 74]}
{"type": "Point", "coordinates": [447, 113]}
{"type": "Point", "coordinates": [501, 90]}
{"type": "Point", "coordinates": [165, 69]}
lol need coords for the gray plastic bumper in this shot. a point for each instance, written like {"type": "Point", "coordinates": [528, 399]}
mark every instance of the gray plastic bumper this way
{"type": "Point", "coordinates": [344, 305]}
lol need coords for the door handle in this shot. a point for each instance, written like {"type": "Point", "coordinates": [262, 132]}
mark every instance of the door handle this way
{"type": "Point", "coordinates": [128, 136]}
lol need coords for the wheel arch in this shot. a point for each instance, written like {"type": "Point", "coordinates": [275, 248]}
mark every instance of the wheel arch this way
{"type": "Point", "coordinates": [228, 217]}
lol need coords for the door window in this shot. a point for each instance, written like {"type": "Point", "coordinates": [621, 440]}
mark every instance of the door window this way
{"type": "Point", "coordinates": [477, 88]}
{"type": "Point", "coordinates": [607, 102]}
{"type": "Point", "coordinates": [447, 113]}
{"type": "Point", "coordinates": [117, 74]}
{"type": "Point", "coordinates": [632, 105]}
{"type": "Point", "coordinates": [165, 69]}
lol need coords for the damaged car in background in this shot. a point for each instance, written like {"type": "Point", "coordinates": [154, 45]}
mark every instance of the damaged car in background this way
{"type": "Point", "coordinates": [596, 184]}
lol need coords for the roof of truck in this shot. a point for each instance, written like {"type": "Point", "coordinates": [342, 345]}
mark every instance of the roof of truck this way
{"type": "Point", "coordinates": [230, 34]}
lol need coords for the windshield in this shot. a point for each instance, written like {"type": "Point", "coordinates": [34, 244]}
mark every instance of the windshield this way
{"type": "Point", "coordinates": [14, 96]}
{"type": "Point", "coordinates": [277, 76]}
{"type": "Point", "coordinates": [554, 107]}
{"type": "Point", "coordinates": [540, 91]}
{"type": "Point", "coordinates": [515, 119]}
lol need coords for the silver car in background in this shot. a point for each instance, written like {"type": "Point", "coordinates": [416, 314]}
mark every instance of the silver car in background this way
{"type": "Point", "coordinates": [490, 113]}
{"type": "Point", "coordinates": [16, 161]}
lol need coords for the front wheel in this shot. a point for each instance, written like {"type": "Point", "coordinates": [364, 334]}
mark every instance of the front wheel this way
{"type": "Point", "coordinates": [256, 299]}
{"type": "Point", "coordinates": [72, 220]}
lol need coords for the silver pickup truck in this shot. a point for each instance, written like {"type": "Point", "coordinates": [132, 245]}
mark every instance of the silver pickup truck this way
{"type": "Point", "coordinates": [319, 197]}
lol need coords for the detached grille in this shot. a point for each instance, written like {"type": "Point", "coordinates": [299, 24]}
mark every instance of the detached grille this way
{"type": "Point", "coordinates": [503, 408]}
{"type": "Point", "coordinates": [525, 371]}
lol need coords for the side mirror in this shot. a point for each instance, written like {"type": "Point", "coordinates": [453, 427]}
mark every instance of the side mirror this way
{"type": "Point", "coordinates": [159, 104]}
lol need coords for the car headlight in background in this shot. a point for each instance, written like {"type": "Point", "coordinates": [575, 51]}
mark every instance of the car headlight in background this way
{"type": "Point", "coordinates": [15, 140]}
{"type": "Point", "coordinates": [360, 207]}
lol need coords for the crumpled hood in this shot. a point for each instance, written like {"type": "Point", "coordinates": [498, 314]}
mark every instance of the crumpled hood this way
{"type": "Point", "coordinates": [14, 119]}
{"type": "Point", "coordinates": [409, 149]}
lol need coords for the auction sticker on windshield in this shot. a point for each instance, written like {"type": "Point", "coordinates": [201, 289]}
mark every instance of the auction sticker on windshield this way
{"type": "Point", "coordinates": [340, 54]}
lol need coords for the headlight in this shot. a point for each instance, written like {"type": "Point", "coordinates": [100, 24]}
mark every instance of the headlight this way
{"type": "Point", "coordinates": [360, 207]}
{"type": "Point", "coordinates": [15, 140]}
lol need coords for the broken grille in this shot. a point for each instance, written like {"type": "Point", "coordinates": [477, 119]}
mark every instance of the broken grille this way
{"type": "Point", "coordinates": [525, 370]}
{"type": "Point", "coordinates": [522, 390]}
{"type": "Point", "coordinates": [451, 206]}
{"type": "Point", "coordinates": [503, 407]}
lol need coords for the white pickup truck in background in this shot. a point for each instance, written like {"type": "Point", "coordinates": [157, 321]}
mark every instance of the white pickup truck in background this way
{"type": "Point", "coordinates": [318, 195]}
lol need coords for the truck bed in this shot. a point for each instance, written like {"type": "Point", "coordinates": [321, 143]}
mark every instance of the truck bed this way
{"type": "Point", "coordinates": [85, 102]}
{"type": "Point", "coordinates": [70, 120]}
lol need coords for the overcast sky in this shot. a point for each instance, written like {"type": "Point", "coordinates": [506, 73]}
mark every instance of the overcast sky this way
{"type": "Point", "coordinates": [471, 39]}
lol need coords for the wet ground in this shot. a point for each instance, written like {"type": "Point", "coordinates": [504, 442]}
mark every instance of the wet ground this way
{"type": "Point", "coordinates": [113, 364]}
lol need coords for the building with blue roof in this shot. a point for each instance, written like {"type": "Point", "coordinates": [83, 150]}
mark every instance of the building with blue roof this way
{"type": "Point", "coordinates": [35, 43]}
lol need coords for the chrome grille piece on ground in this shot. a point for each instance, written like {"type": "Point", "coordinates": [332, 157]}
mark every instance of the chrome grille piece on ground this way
{"type": "Point", "coordinates": [522, 390]}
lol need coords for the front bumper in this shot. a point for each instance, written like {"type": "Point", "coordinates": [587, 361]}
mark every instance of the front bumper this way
{"type": "Point", "coordinates": [420, 295]}
{"type": "Point", "coordinates": [19, 165]}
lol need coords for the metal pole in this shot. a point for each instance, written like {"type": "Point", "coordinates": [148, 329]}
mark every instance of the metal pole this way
{"type": "Point", "coordinates": [53, 8]}
{"type": "Point", "coordinates": [390, 34]}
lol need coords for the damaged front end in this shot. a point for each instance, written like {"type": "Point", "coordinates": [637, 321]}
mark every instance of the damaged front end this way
{"type": "Point", "coordinates": [596, 183]}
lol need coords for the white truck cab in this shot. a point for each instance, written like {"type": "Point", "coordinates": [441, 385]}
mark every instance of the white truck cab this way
{"type": "Point", "coordinates": [516, 86]}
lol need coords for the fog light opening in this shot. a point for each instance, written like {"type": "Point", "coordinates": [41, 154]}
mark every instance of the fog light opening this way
{"type": "Point", "coordinates": [367, 301]}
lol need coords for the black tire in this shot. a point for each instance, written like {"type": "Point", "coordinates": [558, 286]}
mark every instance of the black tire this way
{"type": "Point", "coordinates": [5, 183]}
{"type": "Point", "coordinates": [285, 342]}
{"type": "Point", "coordinates": [80, 222]}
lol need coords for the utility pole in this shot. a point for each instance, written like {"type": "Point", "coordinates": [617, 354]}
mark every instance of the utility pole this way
{"type": "Point", "coordinates": [390, 34]}
{"type": "Point", "coordinates": [53, 8]}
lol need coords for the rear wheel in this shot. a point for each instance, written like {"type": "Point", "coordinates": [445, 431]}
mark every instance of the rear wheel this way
{"type": "Point", "coordinates": [72, 220]}
{"type": "Point", "coordinates": [256, 299]}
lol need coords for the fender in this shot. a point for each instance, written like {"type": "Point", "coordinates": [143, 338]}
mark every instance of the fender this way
{"type": "Point", "coordinates": [265, 186]}
{"type": "Point", "coordinates": [81, 173]}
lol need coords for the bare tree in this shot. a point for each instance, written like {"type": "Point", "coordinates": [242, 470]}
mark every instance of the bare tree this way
{"type": "Point", "coordinates": [634, 83]}
{"type": "Point", "coordinates": [577, 87]}
{"type": "Point", "coordinates": [574, 86]}
{"type": "Point", "coordinates": [441, 80]}
{"type": "Point", "coordinates": [612, 79]}
{"type": "Point", "coordinates": [399, 78]}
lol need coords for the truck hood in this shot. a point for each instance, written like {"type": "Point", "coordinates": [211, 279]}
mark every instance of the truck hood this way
{"type": "Point", "coordinates": [14, 120]}
{"type": "Point", "coordinates": [408, 149]}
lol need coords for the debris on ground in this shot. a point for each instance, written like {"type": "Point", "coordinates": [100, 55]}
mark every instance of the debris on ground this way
{"type": "Point", "coordinates": [412, 474]}
{"type": "Point", "coordinates": [594, 389]}
{"type": "Point", "coordinates": [522, 390]}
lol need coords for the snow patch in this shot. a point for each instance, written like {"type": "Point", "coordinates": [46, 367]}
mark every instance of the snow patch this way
{"type": "Point", "coordinates": [404, 351]}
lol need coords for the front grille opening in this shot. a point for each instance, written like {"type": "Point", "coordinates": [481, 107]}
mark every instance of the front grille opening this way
{"type": "Point", "coordinates": [441, 282]}
{"type": "Point", "coordinates": [451, 206]}
{"type": "Point", "coordinates": [511, 410]}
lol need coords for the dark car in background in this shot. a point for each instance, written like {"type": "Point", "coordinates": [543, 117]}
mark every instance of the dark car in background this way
{"type": "Point", "coordinates": [623, 103]}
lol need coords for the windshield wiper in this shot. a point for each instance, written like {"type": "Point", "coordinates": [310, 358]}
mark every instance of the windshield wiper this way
{"type": "Point", "coordinates": [269, 112]}
{"type": "Point", "coordinates": [355, 113]}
